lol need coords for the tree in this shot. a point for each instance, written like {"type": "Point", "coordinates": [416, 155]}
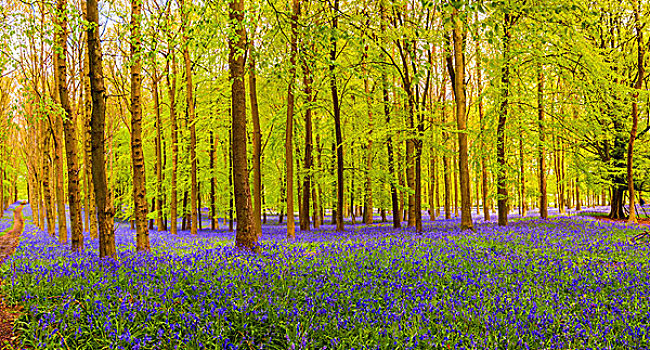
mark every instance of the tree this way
{"type": "Point", "coordinates": [257, 138]}
{"type": "Point", "coordinates": [247, 234]}
{"type": "Point", "coordinates": [191, 116]}
{"type": "Point", "coordinates": [337, 119]}
{"type": "Point", "coordinates": [502, 189]}
{"type": "Point", "coordinates": [105, 211]}
{"type": "Point", "coordinates": [635, 108]}
{"type": "Point", "coordinates": [137, 154]}
{"type": "Point", "coordinates": [288, 143]}
{"type": "Point", "coordinates": [543, 200]}
{"type": "Point", "coordinates": [74, 200]}
{"type": "Point", "coordinates": [308, 161]}
{"type": "Point", "coordinates": [461, 121]}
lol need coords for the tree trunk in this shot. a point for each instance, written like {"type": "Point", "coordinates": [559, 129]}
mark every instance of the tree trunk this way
{"type": "Point", "coordinates": [105, 211]}
{"type": "Point", "coordinates": [288, 143]}
{"type": "Point", "coordinates": [191, 115]}
{"type": "Point", "coordinates": [214, 220]}
{"type": "Point", "coordinates": [58, 175]}
{"type": "Point", "coordinates": [171, 91]}
{"type": "Point", "coordinates": [231, 193]}
{"type": "Point", "coordinates": [389, 141]}
{"type": "Point", "coordinates": [368, 202]}
{"type": "Point", "coordinates": [159, 156]}
{"type": "Point", "coordinates": [137, 154]}
{"type": "Point", "coordinates": [257, 139]}
{"type": "Point", "coordinates": [543, 199]}
{"type": "Point", "coordinates": [432, 185]}
{"type": "Point", "coordinates": [247, 234]}
{"type": "Point", "coordinates": [91, 209]}
{"type": "Point", "coordinates": [307, 185]}
{"type": "Point", "coordinates": [337, 121]}
{"type": "Point", "coordinates": [461, 122]}
{"type": "Point", "coordinates": [522, 175]}
{"type": "Point", "coordinates": [502, 189]}
{"type": "Point", "coordinates": [47, 194]}
{"type": "Point", "coordinates": [445, 158]}
{"type": "Point", "coordinates": [74, 200]}
{"type": "Point", "coordinates": [635, 109]}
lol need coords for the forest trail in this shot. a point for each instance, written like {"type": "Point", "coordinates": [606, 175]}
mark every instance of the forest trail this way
{"type": "Point", "coordinates": [8, 243]}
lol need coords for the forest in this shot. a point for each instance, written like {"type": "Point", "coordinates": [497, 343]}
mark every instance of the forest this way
{"type": "Point", "coordinates": [324, 174]}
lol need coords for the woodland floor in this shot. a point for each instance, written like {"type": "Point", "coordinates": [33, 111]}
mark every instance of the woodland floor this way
{"type": "Point", "coordinates": [570, 282]}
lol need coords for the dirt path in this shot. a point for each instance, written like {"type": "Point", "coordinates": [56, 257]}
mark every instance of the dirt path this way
{"type": "Point", "coordinates": [8, 243]}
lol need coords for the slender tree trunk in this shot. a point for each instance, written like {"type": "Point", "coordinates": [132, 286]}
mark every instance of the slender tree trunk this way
{"type": "Point", "coordinates": [389, 142]}
{"type": "Point", "coordinates": [58, 175]}
{"type": "Point", "coordinates": [307, 185]}
{"type": "Point", "coordinates": [437, 188]}
{"type": "Point", "coordinates": [635, 109]}
{"type": "Point", "coordinates": [153, 209]}
{"type": "Point", "coordinates": [247, 234]}
{"type": "Point", "coordinates": [86, 143]}
{"type": "Point", "coordinates": [231, 192]}
{"type": "Point", "coordinates": [577, 193]}
{"type": "Point", "coordinates": [257, 139]}
{"type": "Point", "coordinates": [368, 202]}
{"type": "Point", "coordinates": [337, 120]}
{"type": "Point", "coordinates": [543, 200]}
{"type": "Point", "coordinates": [352, 167]}
{"type": "Point", "coordinates": [317, 197]}
{"type": "Point", "coordinates": [105, 211]}
{"type": "Point", "coordinates": [214, 220]}
{"type": "Point", "coordinates": [522, 175]}
{"type": "Point", "coordinates": [454, 174]}
{"type": "Point", "coordinates": [171, 90]}
{"type": "Point", "coordinates": [159, 156]}
{"type": "Point", "coordinates": [184, 220]}
{"type": "Point", "coordinates": [461, 122]}
{"type": "Point", "coordinates": [137, 153]}
{"type": "Point", "coordinates": [74, 200]}
{"type": "Point", "coordinates": [191, 115]}
{"type": "Point", "coordinates": [502, 189]}
{"type": "Point", "coordinates": [47, 194]}
{"type": "Point", "coordinates": [288, 144]}
{"type": "Point", "coordinates": [445, 158]}
{"type": "Point", "coordinates": [432, 185]}
{"type": "Point", "coordinates": [558, 176]}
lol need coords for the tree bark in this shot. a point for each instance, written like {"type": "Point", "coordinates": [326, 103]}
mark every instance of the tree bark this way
{"type": "Point", "coordinates": [58, 172]}
{"type": "Point", "coordinates": [257, 139]}
{"type": "Point", "coordinates": [288, 143]}
{"type": "Point", "coordinates": [105, 211]}
{"type": "Point", "coordinates": [461, 122]}
{"type": "Point", "coordinates": [543, 199]}
{"type": "Point", "coordinates": [337, 121]}
{"type": "Point", "coordinates": [502, 189]}
{"type": "Point", "coordinates": [171, 91]}
{"type": "Point", "coordinates": [91, 209]}
{"type": "Point", "coordinates": [214, 220]}
{"type": "Point", "coordinates": [368, 202]}
{"type": "Point", "coordinates": [445, 158]}
{"type": "Point", "coordinates": [159, 154]}
{"type": "Point", "coordinates": [137, 153]}
{"type": "Point", "coordinates": [308, 160]}
{"type": "Point", "coordinates": [74, 199]}
{"type": "Point", "coordinates": [635, 110]}
{"type": "Point", "coordinates": [45, 181]}
{"type": "Point", "coordinates": [247, 234]}
{"type": "Point", "coordinates": [389, 141]}
{"type": "Point", "coordinates": [191, 115]}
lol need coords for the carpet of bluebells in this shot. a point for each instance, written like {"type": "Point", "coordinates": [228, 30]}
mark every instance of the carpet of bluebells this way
{"type": "Point", "coordinates": [568, 283]}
